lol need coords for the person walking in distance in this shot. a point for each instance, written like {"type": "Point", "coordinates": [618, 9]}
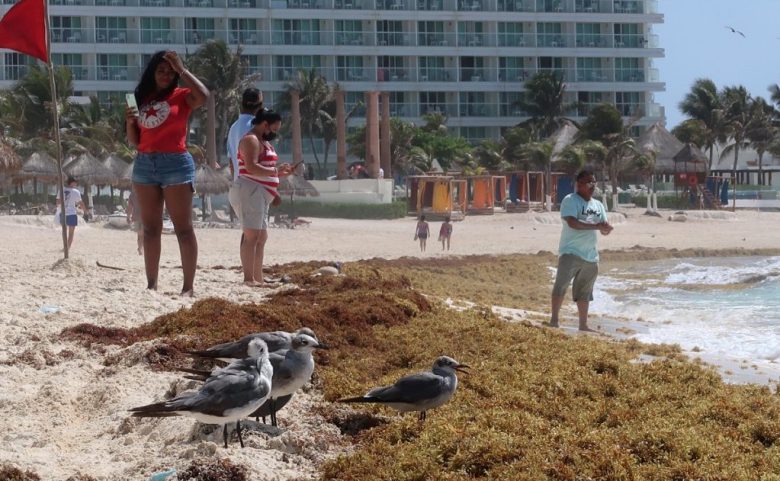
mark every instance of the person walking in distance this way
{"type": "Point", "coordinates": [445, 232]}
{"type": "Point", "coordinates": [164, 171]}
{"type": "Point", "coordinates": [421, 232]}
{"type": "Point", "coordinates": [578, 259]}
{"type": "Point", "coordinates": [258, 182]}
{"type": "Point", "coordinates": [68, 208]}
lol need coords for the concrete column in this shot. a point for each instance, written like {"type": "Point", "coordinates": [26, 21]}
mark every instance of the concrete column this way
{"type": "Point", "coordinates": [384, 136]}
{"type": "Point", "coordinates": [211, 132]}
{"type": "Point", "coordinates": [297, 142]}
{"type": "Point", "coordinates": [341, 136]}
{"type": "Point", "coordinates": [372, 133]}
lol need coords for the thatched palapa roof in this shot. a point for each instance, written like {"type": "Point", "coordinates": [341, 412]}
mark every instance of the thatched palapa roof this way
{"type": "Point", "coordinates": [88, 170]}
{"type": "Point", "coordinates": [40, 166]}
{"type": "Point", "coordinates": [296, 185]}
{"type": "Point", "coordinates": [209, 181]}
{"type": "Point", "coordinates": [691, 159]}
{"type": "Point", "coordinates": [563, 137]}
{"type": "Point", "coordinates": [659, 140]}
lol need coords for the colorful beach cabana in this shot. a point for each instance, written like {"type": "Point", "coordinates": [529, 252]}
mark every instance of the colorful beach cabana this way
{"type": "Point", "coordinates": [481, 195]}
{"type": "Point", "coordinates": [499, 190]}
{"type": "Point", "coordinates": [436, 196]}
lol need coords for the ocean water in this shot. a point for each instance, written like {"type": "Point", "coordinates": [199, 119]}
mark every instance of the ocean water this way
{"type": "Point", "coordinates": [724, 306]}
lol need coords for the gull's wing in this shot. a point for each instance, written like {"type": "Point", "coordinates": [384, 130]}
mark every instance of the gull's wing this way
{"type": "Point", "coordinates": [410, 389]}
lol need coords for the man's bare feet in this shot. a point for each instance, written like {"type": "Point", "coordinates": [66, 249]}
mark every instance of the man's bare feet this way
{"type": "Point", "coordinates": [263, 285]}
{"type": "Point", "coordinates": [190, 293]}
{"type": "Point", "coordinates": [587, 329]}
{"type": "Point", "coordinates": [551, 324]}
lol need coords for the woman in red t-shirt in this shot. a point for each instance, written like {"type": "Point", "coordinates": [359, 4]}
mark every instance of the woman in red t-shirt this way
{"type": "Point", "coordinates": [163, 171]}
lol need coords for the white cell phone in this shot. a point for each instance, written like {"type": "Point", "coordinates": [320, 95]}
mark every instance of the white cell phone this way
{"type": "Point", "coordinates": [130, 99]}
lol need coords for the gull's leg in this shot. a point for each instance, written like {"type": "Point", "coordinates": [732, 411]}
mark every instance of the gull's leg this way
{"type": "Point", "coordinates": [273, 412]}
{"type": "Point", "coordinates": [224, 434]}
{"type": "Point", "coordinates": [238, 428]}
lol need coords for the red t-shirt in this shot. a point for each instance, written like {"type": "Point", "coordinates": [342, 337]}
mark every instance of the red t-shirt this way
{"type": "Point", "coordinates": [163, 124]}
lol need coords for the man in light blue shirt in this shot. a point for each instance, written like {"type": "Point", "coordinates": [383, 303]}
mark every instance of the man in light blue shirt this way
{"type": "Point", "coordinates": [251, 103]}
{"type": "Point", "coordinates": [578, 257]}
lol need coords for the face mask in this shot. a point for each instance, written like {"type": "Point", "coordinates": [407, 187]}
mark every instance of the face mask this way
{"type": "Point", "coordinates": [269, 136]}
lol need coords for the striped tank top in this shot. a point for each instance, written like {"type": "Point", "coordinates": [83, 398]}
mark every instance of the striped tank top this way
{"type": "Point", "coordinates": [266, 158]}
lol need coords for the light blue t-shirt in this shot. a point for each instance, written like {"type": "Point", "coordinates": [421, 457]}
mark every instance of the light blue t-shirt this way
{"type": "Point", "coordinates": [581, 243]}
{"type": "Point", "coordinates": [237, 131]}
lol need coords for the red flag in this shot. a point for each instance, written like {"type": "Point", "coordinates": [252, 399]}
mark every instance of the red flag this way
{"type": "Point", "coordinates": [23, 28]}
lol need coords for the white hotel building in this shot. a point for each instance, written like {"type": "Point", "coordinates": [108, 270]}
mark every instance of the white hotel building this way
{"type": "Point", "coordinates": [466, 58]}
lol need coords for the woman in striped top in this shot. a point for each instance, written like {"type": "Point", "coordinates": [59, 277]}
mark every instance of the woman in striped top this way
{"type": "Point", "coordinates": [258, 182]}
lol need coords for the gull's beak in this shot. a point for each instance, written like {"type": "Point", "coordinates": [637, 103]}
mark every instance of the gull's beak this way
{"type": "Point", "coordinates": [462, 368]}
{"type": "Point", "coordinates": [321, 346]}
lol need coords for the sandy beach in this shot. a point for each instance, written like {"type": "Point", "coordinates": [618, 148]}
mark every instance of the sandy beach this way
{"type": "Point", "coordinates": [64, 409]}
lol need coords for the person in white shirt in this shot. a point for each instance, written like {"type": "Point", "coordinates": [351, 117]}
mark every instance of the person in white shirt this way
{"type": "Point", "coordinates": [251, 103]}
{"type": "Point", "coordinates": [72, 200]}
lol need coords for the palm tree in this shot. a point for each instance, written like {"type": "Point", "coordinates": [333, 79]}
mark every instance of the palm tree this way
{"type": "Point", "coordinates": [512, 142]}
{"type": "Point", "coordinates": [738, 118]}
{"type": "Point", "coordinates": [30, 101]}
{"type": "Point", "coordinates": [544, 101]}
{"type": "Point", "coordinates": [315, 94]}
{"type": "Point", "coordinates": [221, 71]}
{"type": "Point", "coordinates": [762, 133]}
{"type": "Point", "coordinates": [703, 103]}
{"type": "Point", "coordinates": [488, 154]}
{"type": "Point", "coordinates": [540, 154]}
{"type": "Point", "coordinates": [645, 164]}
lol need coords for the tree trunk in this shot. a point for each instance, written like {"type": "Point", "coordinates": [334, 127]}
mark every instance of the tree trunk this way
{"type": "Point", "coordinates": [709, 165]}
{"type": "Point", "coordinates": [760, 167]}
{"type": "Point", "coordinates": [314, 151]}
{"type": "Point", "coordinates": [734, 175]}
{"type": "Point", "coordinates": [341, 132]}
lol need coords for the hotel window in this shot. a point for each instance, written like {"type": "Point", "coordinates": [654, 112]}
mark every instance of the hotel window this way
{"type": "Point", "coordinates": [112, 67]}
{"type": "Point", "coordinates": [627, 35]}
{"type": "Point", "coordinates": [472, 69]}
{"type": "Point", "coordinates": [510, 34]}
{"type": "Point", "coordinates": [509, 102]}
{"type": "Point", "coordinates": [356, 101]}
{"type": "Point", "coordinates": [470, 34]}
{"type": "Point", "coordinates": [590, 69]}
{"type": "Point", "coordinates": [391, 69]}
{"type": "Point", "coordinates": [587, 100]}
{"type": "Point", "coordinates": [589, 35]}
{"type": "Point", "coordinates": [552, 65]}
{"type": "Point", "coordinates": [511, 69]}
{"type": "Point", "coordinates": [432, 69]}
{"type": "Point", "coordinates": [390, 32]}
{"type": "Point", "coordinates": [16, 65]}
{"type": "Point", "coordinates": [243, 31]}
{"type": "Point", "coordinates": [431, 34]}
{"type": "Point", "coordinates": [156, 30]}
{"type": "Point", "coordinates": [629, 70]}
{"type": "Point", "coordinates": [474, 134]}
{"type": "Point", "coordinates": [473, 104]}
{"type": "Point", "coordinates": [398, 106]}
{"type": "Point", "coordinates": [67, 29]}
{"type": "Point", "coordinates": [629, 104]}
{"type": "Point", "coordinates": [349, 32]}
{"type": "Point", "coordinates": [73, 62]}
{"type": "Point", "coordinates": [433, 102]}
{"type": "Point", "coordinates": [198, 30]}
{"type": "Point", "coordinates": [549, 34]}
{"type": "Point", "coordinates": [288, 65]}
{"type": "Point", "coordinates": [110, 29]}
{"type": "Point", "coordinates": [251, 64]}
{"type": "Point", "coordinates": [350, 68]}
{"type": "Point", "coordinates": [296, 32]}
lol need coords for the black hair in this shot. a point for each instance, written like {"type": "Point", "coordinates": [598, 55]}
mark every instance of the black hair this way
{"type": "Point", "coordinates": [70, 180]}
{"type": "Point", "coordinates": [147, 85]}
{"type": "Point", "coordinates": [584, 173]}
{"type": "Point", "coordinates": [447, 219]}
{"type": "Point", "coordinates": [422, 217]}
{"type": "Point", "coordinates": [268, 116]}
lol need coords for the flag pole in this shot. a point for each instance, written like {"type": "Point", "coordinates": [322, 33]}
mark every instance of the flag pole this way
{"type": "Point", "coordinates": [56, 117]}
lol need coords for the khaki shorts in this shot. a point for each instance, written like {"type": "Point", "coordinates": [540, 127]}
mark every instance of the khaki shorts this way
{"type": "Point", "coordinates": [584, 274]}
{"type": "Point", "coordinates": [234, 199]}
{"type": "Point", "coordinates": [253, 205]}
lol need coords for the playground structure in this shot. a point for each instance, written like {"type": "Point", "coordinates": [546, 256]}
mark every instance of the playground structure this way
{"type": "Point", "coordinates": [437, 196]}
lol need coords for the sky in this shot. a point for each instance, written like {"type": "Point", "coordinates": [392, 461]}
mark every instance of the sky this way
{"type": "Point", "coordinates": [697, 44]}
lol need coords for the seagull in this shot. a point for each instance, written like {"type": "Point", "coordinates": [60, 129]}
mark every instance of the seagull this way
{"type": "Point", "coordinates": [332, 269]}
{"type": "Point", "coordinates": [291, 370]}
{"type": "Point", "coordinates": [734, 30]}
{"type": "Point", "coordinates": [276, 340]}
{"type": "Point", "coordinates": [231, 394]}
{"type": "Point", "coordinates": [418, 392]}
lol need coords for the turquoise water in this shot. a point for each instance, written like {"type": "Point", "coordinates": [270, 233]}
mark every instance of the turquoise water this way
{"type": "Point", "coordinates": [723, 319]}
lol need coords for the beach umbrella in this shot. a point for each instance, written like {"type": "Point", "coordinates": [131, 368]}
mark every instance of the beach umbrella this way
{"type": "Point", "coordinates": [88, 170]}
{"type": "Point", "coordinates": [117, 166]}
{"type": "Point", "coordinates": [293, 185]}
{"type": "Point", "coordinates": [9, 159]}
{"type": "Point", "coordinates": [38, 166]}
{"type": "Point", "coordinates": [208, 181]}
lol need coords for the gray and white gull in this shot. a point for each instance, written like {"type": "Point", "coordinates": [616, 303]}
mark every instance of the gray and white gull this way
{"type": "Point", "coordinates": [275, 340]}
{"type": "Point", "coordinates": [230, 394]}
{"type": "Point", "coordinates": [418, 392]}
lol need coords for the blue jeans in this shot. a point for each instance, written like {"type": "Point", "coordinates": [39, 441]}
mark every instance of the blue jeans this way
{"type": "Point", "coordinates": [164, 169]}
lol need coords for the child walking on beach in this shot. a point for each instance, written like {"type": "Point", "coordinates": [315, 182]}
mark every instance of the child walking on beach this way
{"type": "Point", "coordinates": [445, 232]}
{"type": "Point", "coordinates": [421, 232]}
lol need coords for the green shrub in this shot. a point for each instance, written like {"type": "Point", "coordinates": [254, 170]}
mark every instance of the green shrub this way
{"type": "Point", "coordinates": [665, 202]}
{"type": "Point", "coordinates": [394, 210]}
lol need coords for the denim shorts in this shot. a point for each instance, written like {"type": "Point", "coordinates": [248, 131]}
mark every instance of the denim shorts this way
{"type": "Point", "coordinates": [71, 220]}
{"type": "Point", "coordinates": [164, 169]}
